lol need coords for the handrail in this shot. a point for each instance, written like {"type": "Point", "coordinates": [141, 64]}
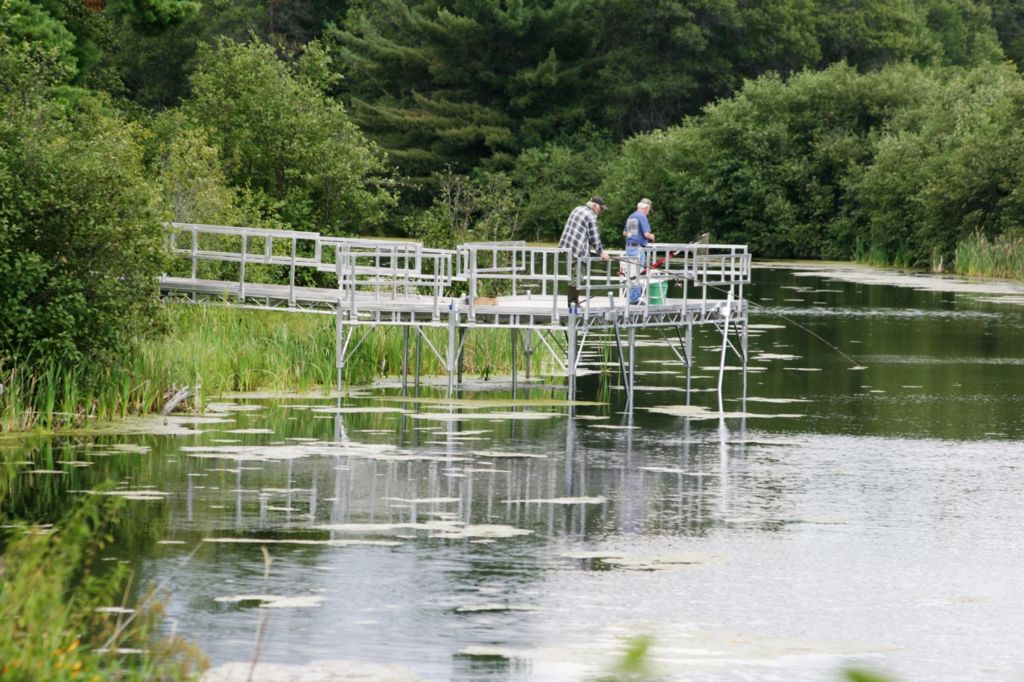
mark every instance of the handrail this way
{"type": "Point", "coordinates": [514, 267]}
{"type": "Point", "coordinates": [386, 271]}
{"type": "Point", "coordinates": [261, 231]}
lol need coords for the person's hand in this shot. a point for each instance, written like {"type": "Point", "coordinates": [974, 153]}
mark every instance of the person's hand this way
{"type": "Point", "coordinates": [649, 237]}
{"type": "Point", "coordinates": [605, 256]}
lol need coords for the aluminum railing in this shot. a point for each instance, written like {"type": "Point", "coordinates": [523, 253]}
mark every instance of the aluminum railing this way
{"type": "Point", "coordinates": [514, 269]}
{"type": "Point", "coordinates": [397, 274]}
{"type": "Point", "coordinates": [715, 269]}
{"type": "Point", "coordinates": [389, 272]}
{"type": "Point", "coordinates": [228, 244]}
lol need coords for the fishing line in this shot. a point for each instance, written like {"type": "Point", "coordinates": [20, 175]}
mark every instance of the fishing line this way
{"type": "Point", "coordinates": [854, 365]}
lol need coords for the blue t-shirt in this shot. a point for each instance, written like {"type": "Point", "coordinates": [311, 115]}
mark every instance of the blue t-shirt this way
{"type": "Point", "coordinates": [636, 227]}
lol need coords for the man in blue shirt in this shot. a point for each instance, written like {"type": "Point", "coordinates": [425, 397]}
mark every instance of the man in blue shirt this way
{"type": "Point", "coordinates": [638, 235]}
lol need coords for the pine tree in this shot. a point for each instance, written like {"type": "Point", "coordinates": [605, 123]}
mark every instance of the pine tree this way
{"type": "Point", "coordinates": [450, 84]}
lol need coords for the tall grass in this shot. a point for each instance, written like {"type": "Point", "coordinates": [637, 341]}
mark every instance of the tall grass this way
{"type": "Point", "coordinates": [246, 350]}
{"type": "Point", "coordinates": [1001, 257]}
{"type": "Point", "coordinates": [880, 256]}
{"type": "Point", "coordinates": [54, 396]}
{"type": "Point", "coordinates": [220, 350]}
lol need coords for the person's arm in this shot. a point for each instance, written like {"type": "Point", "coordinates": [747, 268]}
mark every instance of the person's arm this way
{"type": "Point", "coordinates": [595, 240]}
{"type": "Point", "coordinates": [646, 228]}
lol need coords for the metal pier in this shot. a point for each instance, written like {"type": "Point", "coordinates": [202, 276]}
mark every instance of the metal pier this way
{"type": "Point", "coordinates": [548, 299]}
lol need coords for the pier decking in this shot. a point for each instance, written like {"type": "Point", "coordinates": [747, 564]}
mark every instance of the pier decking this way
{"type": "Point", "coordinates": [368, 283]}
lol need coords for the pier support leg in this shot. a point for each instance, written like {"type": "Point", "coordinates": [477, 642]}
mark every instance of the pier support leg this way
{"type": "Point", "coordinates": [688, 354]}
{"type": "Point", "coordinates": [726, 314]}
{"type": "Point", "coordinates": [622, 361]}
{"type": "Point", "coordinates": [744, 349]}
{"type": "Point", "coordinates": [462, 346]}
{"type": "Point", "coordinates": [452, 359]}
{"type": "Point", "coordinates": [528, 349]}
{"type": "Point", "coordinates": [570, 364]}
{"type": "Point", "coordinates": [419, 357]}
{"type": "Point", "coordinates": [339, 345]}
{"type": "Point", "coordinates": [405, 360]}
{"type": "Point", "coordinates": [632, 362]}
{"type": "Point", "coordinates": [622, 355]}
{"type": "Point", "coordinates": [515, 353]}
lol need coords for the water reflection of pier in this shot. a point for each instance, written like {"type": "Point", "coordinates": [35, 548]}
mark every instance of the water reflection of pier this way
{"type": "Point", "coordinates": [439, 481]}
{"type": "Point", "coordinates": [566, 476]}
{"type": "Point", "coordinates": [547, 299]}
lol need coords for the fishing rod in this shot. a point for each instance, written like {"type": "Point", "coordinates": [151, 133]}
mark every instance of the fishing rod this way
{"type": "Point", "coordinates": [854, 365]}
{"type": "Point", "coordinates": [703, 239]}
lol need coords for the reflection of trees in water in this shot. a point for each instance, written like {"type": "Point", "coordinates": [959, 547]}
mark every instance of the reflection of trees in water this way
{"type": "Point", "coordinates": [45, 498]}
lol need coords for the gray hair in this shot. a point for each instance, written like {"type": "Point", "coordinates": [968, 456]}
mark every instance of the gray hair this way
{"type": "Point", "coordinates": [643, 202]}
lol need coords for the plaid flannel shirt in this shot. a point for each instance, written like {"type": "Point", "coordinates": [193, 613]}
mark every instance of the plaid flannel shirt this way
{"type": "Point", "coordinates": [580, 232]}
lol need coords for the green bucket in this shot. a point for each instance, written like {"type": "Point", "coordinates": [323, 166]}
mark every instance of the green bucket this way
{"type": "Point", "coordinates": [656, 292]}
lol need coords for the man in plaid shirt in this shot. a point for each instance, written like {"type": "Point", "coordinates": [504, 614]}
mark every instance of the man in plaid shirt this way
{"type": "Point", "coordinates": [580, 232]}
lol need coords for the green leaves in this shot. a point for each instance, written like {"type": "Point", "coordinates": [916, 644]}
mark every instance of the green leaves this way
{"type": "Point", "coordinates": [155, 14]}
{"type": "Point", "coordinates": [75, 208]}
{"type": "Point", "coordinates": [27, 23]}
{"type": "Point", "coordinates": [896, 166]}
{"type": "Point", "coordinates": [281, 138]}
{"type": "Point", "coordinates": [948, 166]}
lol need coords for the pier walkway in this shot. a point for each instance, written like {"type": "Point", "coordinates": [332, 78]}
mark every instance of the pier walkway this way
{"type": "Point", "coordinates": [557, 302]}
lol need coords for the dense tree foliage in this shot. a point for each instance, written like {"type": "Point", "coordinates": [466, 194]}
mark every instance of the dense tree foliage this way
{"type": "Point", "coordinates": [949, 167]}
{"type": "Point", "coordinates": [75, 206]}
{"type": "Point", "coordinates": [460, 83]}
{"type": "Point", "coordinates": [895, 166]}
{"type": "Point", "coordinates": [557, 175]}
{"type": "Point", "coordinates": [873, 33]}
{"type": "Point", "coordinates": [1008, 20]}
{"type": "Point", "coordinates": [476, 82]}
{"type": "Point", "coordinates": [156, 59]}
{"type": "Point", "coordinates": [282, 140]}
{"type": "Point", "coordinates": [768, 166]}
{"type": "Point", "coordinates": [453, 86]}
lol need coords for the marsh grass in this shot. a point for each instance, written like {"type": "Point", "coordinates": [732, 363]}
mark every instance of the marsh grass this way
{"type": "Point", "coordinates": [215, 350]}
{"type": "Point", "coordinates": [52, 396]}
{"type": "Point", "coordinates": [1001, 257]}
{"type": "Point", "coordinates": [231, 350]}
{"type": "Point", "coordinates": [880, 256]}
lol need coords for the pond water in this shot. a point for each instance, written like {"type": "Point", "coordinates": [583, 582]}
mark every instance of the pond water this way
{"type": "Point", "coordinates": [839, 518]}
